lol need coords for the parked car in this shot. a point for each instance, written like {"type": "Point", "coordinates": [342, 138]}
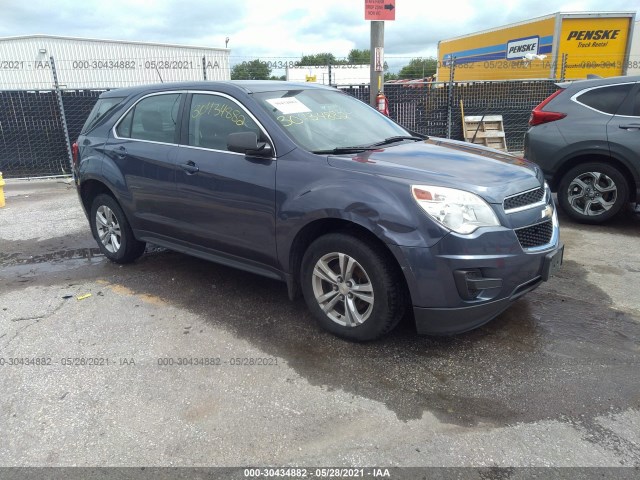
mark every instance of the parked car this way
{"type": "Point", "coordinates": [586, 139]}
{"type": "Point", "coordinates": [305, 184]}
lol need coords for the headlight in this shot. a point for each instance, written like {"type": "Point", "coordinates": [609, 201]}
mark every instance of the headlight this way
{"type": "Point", "coordinates": [460, 211]}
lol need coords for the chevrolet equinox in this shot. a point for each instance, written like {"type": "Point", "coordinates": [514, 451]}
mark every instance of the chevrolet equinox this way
{"type": "Point", "coordinates": [305, 184]}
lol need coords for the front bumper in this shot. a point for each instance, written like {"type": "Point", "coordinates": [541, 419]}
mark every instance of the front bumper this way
{"type": "Point", "coordinates": [462, 283]}
{"type": "Point", "coordinates": [450, 321]}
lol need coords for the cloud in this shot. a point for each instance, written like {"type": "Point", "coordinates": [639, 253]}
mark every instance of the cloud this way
{"type": "Point", "coordinates": [283, 28]}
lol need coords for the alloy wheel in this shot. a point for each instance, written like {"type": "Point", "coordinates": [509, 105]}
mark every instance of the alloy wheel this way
{"type": "Point", "coordinates": [343, 289]}
{"type": "Point", "coordinates": [592, 193]}
{"type": "Point", "coordinates": [108, 229]}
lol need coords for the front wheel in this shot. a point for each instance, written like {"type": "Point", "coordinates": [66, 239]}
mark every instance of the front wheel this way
{"type": "Point", "coordinates": [352, 287]}
{"type": "Point", "coordinates": [593, 192]}
{"type": "Point", "coordinates": [111, 230]}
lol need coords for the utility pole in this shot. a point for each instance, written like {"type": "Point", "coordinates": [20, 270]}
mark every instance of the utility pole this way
{"type": "Point", "coordinates": [377, 12]}
{"type": "Point", "coordinates": [377, 60]}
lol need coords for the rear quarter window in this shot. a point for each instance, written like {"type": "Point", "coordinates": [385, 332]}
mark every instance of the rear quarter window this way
{"type": "Point", "coordinates": [605, 99]}
{"type": "Point", "coordinates": [102, 107]}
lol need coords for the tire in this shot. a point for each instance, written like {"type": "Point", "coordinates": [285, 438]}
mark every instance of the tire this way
{"type": "Point", "coordinates": [364, 298]}
{"type": "Point", "coordinates": [593, 192]}
{"type": "Point", "coordinates": [112, 231]}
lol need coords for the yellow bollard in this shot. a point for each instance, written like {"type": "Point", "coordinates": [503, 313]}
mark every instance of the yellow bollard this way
{"type": "Point", "coordinates": [1, 191]}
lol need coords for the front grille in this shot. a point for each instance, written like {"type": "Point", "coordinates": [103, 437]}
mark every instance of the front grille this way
{"type": "Point", "coordinates": [535, 235]}
{"type": "Point", "coordinates": [523, 199]}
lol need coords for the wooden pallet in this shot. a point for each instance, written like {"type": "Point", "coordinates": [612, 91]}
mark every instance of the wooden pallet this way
{"type": "Point", "coordinates": [487, 130]}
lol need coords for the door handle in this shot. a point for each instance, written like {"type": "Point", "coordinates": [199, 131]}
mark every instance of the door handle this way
{"type": "Point", "coordinates": [190, 167]}
{"type": "Point", "coordinates": [630, 126]}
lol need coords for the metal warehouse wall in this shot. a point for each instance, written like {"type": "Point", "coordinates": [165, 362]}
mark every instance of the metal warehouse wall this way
{"type": "Point", "coordinates": [86, 63]}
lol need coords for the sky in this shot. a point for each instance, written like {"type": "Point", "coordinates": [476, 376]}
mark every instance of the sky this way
{"type": "Point", "coordinates": [276, 29]}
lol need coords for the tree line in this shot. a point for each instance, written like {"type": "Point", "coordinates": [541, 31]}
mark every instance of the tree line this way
{"type": "Point", "coordinates": [260, 70]}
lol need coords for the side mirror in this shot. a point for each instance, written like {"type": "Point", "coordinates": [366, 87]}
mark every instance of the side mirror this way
{"type": "Point", "coordinates": [247, 143]}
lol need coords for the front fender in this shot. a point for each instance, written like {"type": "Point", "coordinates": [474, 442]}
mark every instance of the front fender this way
{"type": "Point", "coordinates": [383, 206]}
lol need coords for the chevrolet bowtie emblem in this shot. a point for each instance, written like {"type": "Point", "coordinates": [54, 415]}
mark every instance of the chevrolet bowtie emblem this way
{"type": "Point", "coordinates": [547, 212]}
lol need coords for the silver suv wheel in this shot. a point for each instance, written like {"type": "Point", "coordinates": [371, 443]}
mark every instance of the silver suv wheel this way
{"type": "Point", "coordinates": [592, 193]}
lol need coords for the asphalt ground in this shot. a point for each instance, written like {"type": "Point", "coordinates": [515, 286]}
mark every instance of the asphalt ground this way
{"type": "Point", "coordinates": [97, 362]}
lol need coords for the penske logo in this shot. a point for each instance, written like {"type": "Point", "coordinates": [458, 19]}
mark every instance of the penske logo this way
{"type": "Point", "coordinates": [593, 34]}
{"type": "Point", "coordinates": [520, 47]}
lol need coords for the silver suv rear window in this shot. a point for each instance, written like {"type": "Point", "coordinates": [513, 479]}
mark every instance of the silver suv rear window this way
{"type": "Point", "coordinates": [605, 99]}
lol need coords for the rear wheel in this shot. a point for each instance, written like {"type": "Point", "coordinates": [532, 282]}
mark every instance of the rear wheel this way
{"type": "Point", "coordinates": [111, 230]}
{"type": "Point", "coordinates": [593, 192]}
{"type": "Point", "coordinates": [353, 289]}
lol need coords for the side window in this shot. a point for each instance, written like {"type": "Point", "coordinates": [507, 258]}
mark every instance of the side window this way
{"type": "Point", "coordinates": [153, 118]}
{"type": "Point", "coordinates": [606, 99]}
{"type": "Point", "coordinates": [212, 118]}
{"type": "Point", "coordinates": [124, 127]}
{"type": "Point", "coordinates": [102, 107]}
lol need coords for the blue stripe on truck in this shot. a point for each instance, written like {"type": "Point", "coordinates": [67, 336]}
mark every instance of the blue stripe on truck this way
{"type": "Point", "coordinates": [494, 52]}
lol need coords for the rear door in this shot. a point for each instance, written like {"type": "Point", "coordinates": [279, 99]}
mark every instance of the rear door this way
{"type": "Point", "coordinates": [143, 148]}
{"type": "Point", "coordinates": [623, 131]}
{"type": "Point", "coordinates": [227, 199]}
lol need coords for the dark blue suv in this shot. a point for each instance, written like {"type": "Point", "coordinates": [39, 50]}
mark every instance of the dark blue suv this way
{"type": "Point", "coordinates": [308, 185]}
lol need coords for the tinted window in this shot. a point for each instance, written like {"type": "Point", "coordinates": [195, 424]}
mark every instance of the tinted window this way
{"type": "Point", "coordinates": [99, 110]}
{"type": "Point", "coordinates": [606, 99]}
{"type": "Point", "coordinates": [212, 118]}
{"type": "Point", "coordinates": [124, 127]}
{"type": "Point", "coordinates": [153, 118]}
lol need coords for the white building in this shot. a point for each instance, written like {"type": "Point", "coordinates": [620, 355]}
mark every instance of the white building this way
{"type": "Point", "coordinates": [340, 74]}
{"type": "Point", "coordinates": [84, 63]}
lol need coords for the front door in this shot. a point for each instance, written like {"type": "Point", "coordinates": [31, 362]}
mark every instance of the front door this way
{"type": "Point", "coordinates": [227, 199]}
{"type": "Point", "coordinates": [623, 132]}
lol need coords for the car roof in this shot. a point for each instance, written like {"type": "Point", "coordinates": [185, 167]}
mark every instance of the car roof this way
{"type": "Point", "coordinates": [246, 86]}
{"type": "Point", "coordinates": [596, 82]}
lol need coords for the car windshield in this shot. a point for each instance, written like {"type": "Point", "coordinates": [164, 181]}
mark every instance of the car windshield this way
{"type": "Point", "coordinates": [324, 121]}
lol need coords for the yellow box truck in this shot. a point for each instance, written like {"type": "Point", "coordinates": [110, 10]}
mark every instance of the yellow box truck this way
{"type": "Point", "coordinates": [569, 45]}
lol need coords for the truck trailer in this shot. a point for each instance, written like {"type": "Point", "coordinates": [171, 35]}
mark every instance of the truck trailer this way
{"type": "Point", "coordinates": [560, 45]}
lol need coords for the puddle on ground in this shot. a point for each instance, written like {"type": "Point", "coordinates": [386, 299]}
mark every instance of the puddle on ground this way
{"type": "Point", "coordinates": [10, 259]}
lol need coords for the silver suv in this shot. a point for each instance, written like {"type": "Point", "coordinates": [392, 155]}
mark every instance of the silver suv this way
{"type": "Point", "coordinates": [586, 139]}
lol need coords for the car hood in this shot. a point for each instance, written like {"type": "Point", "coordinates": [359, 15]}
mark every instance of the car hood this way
{"type": "Point", "coordinates": [486, 172]}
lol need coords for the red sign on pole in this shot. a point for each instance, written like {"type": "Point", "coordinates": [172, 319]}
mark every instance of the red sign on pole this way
{"type": "Point", "coordinates": [379, 9]}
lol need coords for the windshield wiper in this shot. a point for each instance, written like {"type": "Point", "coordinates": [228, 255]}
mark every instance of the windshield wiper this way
{"type": "Point", "coordinates": [397, 138]}
{"type": "Point", "coordinates": [373, 146]}
{"type": "Point", "coordinates": [344, 150]}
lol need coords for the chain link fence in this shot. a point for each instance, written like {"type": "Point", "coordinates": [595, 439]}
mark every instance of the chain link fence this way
{"type": "Point", "coordinates": [34, 141]}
